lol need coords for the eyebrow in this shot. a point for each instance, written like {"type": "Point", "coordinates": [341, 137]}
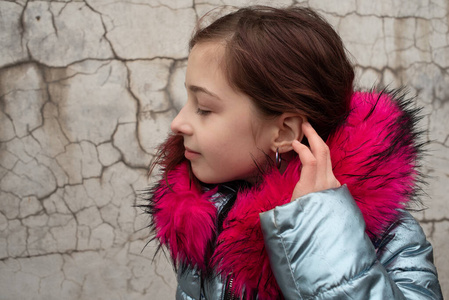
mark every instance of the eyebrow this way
{"type": "Point", "coordinates": [198, 89]}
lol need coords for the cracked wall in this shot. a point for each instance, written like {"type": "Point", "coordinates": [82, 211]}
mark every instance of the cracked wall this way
{"type": "Point", "coordinates": [88, 89]}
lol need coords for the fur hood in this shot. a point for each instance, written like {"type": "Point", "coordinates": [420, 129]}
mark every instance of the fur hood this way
{"type": "Point", "coordinates": [374, 153]}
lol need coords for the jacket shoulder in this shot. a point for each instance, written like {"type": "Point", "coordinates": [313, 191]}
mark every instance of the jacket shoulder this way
{"type": "Point", "coordinates": [407, 257]}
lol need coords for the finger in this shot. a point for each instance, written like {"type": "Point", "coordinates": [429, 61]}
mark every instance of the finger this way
{"type": "Point", "coordinates": [330, 170]}
{"type": "Point", "coordinates": [315, 141]}
{"type": "Point", "coordinates": [319, 150]}
{"type": "Point", "coordinates": [308, 162]}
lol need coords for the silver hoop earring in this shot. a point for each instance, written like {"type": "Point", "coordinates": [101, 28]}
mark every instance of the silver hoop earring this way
{"type": "Point", "coordinates": [278, 159]}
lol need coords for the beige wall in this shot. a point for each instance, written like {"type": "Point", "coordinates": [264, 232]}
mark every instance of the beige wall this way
{"type": "Point", "coordinates": [88, 88]}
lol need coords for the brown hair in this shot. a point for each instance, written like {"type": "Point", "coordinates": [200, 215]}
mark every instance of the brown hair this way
{"type": "Point", "coordinates": [285, 60]}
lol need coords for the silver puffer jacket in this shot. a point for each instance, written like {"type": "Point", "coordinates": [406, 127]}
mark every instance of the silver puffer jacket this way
{"type": "Point", "coordinates": [318, 250]}
{"type": "Point", "coordinates": [354, 242]}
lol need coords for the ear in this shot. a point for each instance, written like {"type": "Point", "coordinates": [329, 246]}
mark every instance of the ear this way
{"type": "Point", "coordinates": [288, 129]}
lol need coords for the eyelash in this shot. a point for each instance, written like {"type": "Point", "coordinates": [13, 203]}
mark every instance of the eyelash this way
{"type": "Point", "coordinates": [202, 112]}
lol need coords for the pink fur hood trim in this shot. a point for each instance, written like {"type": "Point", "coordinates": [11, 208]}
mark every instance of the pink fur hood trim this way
{"type": "Point", "coordinates": [374, 153]}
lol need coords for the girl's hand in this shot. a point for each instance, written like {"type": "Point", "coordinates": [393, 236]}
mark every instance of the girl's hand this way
{"type": "Point", "coordinates": [316, 172]}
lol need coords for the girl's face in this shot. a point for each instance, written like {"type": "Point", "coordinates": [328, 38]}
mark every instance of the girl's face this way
{"type": "Point", "coordinates": [223, 133]}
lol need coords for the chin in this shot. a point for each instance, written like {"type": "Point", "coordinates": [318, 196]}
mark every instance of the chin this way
{"type": "Point", "coordinates": [209, 177]}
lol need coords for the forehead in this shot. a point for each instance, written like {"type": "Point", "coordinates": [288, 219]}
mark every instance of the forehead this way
{"type": "Point", "coordinates": [210, 51]}
{"type": "Point", "coordinates": [205, 67]}
{"type": "Point", "coordinates": [206, 59]}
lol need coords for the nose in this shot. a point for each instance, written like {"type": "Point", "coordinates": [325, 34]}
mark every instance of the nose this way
{"type": "Point", "coordinates": [180, 124]}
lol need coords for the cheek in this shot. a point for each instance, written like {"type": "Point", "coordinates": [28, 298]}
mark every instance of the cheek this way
{"type": "Point", "coordinates": [236, 154]}
{"type": "Point", "coordinates": [234, 142]}
{"type": "Point", "coordinates": [223, 153]}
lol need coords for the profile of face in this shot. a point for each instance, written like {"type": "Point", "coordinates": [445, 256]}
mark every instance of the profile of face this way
{"type": "Point", "coordinates": [224, 134]}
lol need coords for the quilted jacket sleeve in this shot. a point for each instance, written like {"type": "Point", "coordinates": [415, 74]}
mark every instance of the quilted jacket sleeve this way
{"type": "Point", "coordinates": [318, 249]}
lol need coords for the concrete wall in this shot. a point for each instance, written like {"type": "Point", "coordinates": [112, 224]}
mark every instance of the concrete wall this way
{"type": "Point", "coordinates": [88, 88]}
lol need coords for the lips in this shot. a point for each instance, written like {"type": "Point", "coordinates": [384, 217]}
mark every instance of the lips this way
{"type": "Point", "coordinates": [190, 154]}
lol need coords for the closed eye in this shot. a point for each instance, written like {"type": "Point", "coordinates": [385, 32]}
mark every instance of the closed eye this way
{"type": "Point", "coordinates": [202, 112]}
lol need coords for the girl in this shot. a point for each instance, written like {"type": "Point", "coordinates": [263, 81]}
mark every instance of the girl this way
{"type": "Point", "coordinates": [253, 204]}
